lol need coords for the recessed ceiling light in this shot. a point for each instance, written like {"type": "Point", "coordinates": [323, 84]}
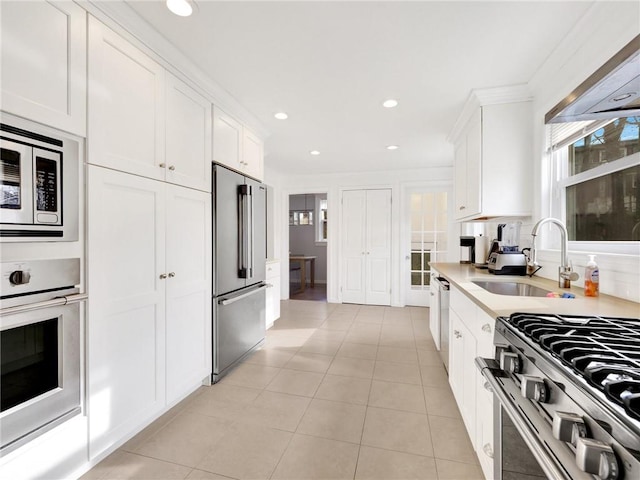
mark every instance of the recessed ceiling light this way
{"type": "Point", "coordinates": [182, 8]}
{"type": "Point", "coordinates": [314, 152]}
{"type": "Point", "coordinates": [390, 103]}
{"type": "Point", "coordinates": [392, 147]}
{"type": "Point", "coordinates": [281, 116]}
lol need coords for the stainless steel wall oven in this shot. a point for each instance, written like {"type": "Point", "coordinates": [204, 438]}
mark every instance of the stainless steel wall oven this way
{"type": "Point", "coordinates": [38, 183]}
{"type": "Point", "coordinates": [39, 348]}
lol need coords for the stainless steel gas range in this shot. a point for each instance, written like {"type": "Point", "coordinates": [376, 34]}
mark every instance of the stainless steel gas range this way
{"type": "Point", "coordinates": [567, 392]}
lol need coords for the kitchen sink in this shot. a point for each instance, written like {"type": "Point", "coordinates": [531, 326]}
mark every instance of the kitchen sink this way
{"type": "Point", "coordinates": [517, 289]}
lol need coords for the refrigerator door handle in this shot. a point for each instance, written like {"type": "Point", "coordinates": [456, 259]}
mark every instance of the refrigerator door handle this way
{"type": "Point", "coordinates": [250, 233]}
{"type": "Point", "coordinates": [229, 301]}
{"type": "Point", "coordinates": [243, 240]}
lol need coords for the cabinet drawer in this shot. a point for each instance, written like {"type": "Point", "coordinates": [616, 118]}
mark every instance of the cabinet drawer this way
{"type": "Point", "coordinates": [464, 307]}
{"type": "Point", "coordinates": [273, 269]}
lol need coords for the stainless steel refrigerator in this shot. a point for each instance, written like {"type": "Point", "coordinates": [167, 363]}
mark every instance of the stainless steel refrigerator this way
{"type": "Point", "coordinates": [239, 254]}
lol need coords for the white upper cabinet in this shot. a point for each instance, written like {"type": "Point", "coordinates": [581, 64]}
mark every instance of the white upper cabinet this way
{"type": "Point", "coordinates": [493, 157]}
{"type": "Point", "coordinates": [252, 154]}
{"type": "Point", "coordinates": [43, 52]}
{"type": "Point", "coordinates": [126, 129]}
{"type": "Point", "coordinates": [188, 136]}
{"type": "Point", "coordinates": [235, 146]}
{"type": "Point", "coordinates": [227, 139]}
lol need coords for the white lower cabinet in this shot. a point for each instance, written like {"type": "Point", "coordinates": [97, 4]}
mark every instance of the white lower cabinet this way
{"type": "Point", "coordinates": [273, 292]}
{"type": "Point", "coordinates": [471, 335]}
{"type": "Point", "coordinates": [149, 317]}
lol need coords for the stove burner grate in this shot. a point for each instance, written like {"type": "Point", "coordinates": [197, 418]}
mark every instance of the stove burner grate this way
{"type": "Point", "coordinates": [605, 351]}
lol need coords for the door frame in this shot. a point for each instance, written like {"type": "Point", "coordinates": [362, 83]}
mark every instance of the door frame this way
{"type": "Point", "coordinates": [405, 227]}
{"type": "Point", "coordinates": [284, 252]}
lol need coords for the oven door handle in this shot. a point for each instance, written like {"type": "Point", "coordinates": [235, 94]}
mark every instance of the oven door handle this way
{"type": "Point", "coordinates": [54, 302]}
{"type": "Point", "coordinates": [489, 369]}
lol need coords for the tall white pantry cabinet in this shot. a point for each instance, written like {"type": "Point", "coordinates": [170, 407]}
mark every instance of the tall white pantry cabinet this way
{"type": "Point", "coordinates": [149, 238]}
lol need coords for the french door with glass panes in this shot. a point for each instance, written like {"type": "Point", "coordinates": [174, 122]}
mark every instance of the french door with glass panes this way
{"type": "Point", "coordinates": [426, 241]}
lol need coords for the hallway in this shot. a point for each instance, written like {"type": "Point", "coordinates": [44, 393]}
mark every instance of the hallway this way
{"type": "Point", "coordinates": [338, 391]}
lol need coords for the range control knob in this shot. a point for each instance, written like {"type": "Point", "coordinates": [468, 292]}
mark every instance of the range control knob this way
{"type": "Point", "coordinates": [597, 458]}
{"type": "Point", "coordinates": [510, 362]}
{"type": "Point", "coordinates": [534, 388]}
{"type": "Point", "coordinates": [19, 277]}
{"type": "Point", "coordinates": [568, 427]}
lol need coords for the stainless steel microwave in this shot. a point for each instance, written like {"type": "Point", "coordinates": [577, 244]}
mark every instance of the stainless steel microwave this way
{"type": "Point", "coordinates": [39, 192]}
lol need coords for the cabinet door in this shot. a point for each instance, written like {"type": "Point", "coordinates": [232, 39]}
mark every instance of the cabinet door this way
{"type": "Point", "coordinates": [462, 371]}
{"type": "Point", "coordinates": [43, 51]}
{"type": "Point", "coordinates": [273, 293]}
{"type": "Point", "coordinates": [126, 105]}
{"type": "Point", "coordinates": [188, 260]}
{"type": "Point", "coordinates": [474, 165]}
{"type": "Point", "coordinates": [126, 311]}
{"type": "Point", "coordinates": [484, 425]}
{"type": "Point", "coordinates": [460, 178]}
{"type": "Point", "coordinates": [468, 164]}
{"type": "Point", "coordinates": [252, 154]}
{"type": "Point", "coordinates": [378, 247]}
{"type": "Point", "coordinates": [227, 140]}
{"type": "Point", "coordinates": [188, 137]}
{"type": "Point", "coordinates": [353, 245]}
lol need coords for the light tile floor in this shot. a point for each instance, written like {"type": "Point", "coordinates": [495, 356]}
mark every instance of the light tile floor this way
{"type": "Point", "coordinates": [337, 392]}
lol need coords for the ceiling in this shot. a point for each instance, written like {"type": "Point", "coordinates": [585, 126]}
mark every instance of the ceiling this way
{"type": "Point", "coordinates": [330, 65]}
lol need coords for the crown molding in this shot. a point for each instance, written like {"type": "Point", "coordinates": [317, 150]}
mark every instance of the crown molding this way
{"type": "Point", "coordinates": [125, 21]}
{"type": "Point", "coordinates": [481, 97]}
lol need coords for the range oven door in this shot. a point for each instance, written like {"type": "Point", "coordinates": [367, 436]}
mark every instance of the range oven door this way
{"type": "Point", "coordinates": [524, 445]}
{"type": "Point", "coordinates": [40, 369]}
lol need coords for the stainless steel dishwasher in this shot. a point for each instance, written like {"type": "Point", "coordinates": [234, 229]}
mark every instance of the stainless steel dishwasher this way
{"type": "Point", "coordinates": [439, 316]}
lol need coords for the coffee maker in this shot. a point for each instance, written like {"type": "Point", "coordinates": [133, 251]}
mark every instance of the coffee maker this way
{"type": "Point", "coordinates": [505, 256]}
{"type": "Point", "coordinates": [467, 247]}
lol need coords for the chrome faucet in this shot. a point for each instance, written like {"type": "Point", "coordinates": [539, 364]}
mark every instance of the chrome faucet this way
{"type": "Point", "coordinates": [566, 275]}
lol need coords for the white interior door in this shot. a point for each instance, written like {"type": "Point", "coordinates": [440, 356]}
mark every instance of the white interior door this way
{"type": "Point", "coordinates": [353, 245]}
{"type": "Point", "coordinates": [425, 241]}
{"type": "Point", "coordinates": [378, 248]}
{"type": "Point", "coordinates": [366, 246]}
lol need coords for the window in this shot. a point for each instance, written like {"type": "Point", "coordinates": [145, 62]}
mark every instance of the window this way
{"type": "Point", "coordinates": [597, 174]}
{"type": "Point", "coordinates": [321, 224]}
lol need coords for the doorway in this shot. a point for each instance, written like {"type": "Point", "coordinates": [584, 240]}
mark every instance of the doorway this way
{"type": "Point", "coordinates": [308, 246]}
{"type": "Point", "coordinates": [426, 240]}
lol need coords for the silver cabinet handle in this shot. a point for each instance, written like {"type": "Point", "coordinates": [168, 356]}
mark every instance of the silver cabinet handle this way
{"type": "Point", "coordinates": [457, 333]}
{"type": "Point", "coordinates": [163, 276]}
{"type": "Point", "coordinates": [172, 274]}
{"type": "Point", "coordinates": [172, 167]}
{"type": "Point", "coordinates": [486, 328]}
{"type": "Point", "coordinates": [462, 207]}
{"type": "Point", "coordinates": [162, 165]}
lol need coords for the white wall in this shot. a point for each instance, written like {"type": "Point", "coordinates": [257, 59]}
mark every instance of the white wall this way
{"type": "Point", "coordinates": [602, 32]}
{"type": "Point", "coordinates": [333, 185]}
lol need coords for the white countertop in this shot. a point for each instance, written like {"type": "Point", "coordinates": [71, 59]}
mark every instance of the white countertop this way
{"type": "Point", "coordinates": [462, 275]}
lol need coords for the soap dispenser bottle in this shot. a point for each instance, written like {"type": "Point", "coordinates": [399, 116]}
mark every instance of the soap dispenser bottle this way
{"type": "Point", "coordinates": [591, 278]}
